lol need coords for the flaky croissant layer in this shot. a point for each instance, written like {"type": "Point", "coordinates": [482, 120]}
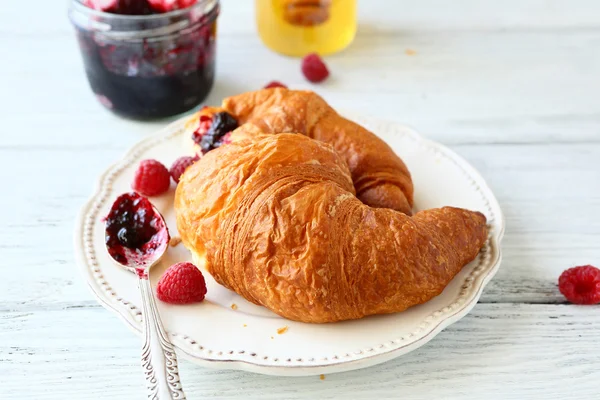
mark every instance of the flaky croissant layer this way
{"type": "Point", "coordinates": [277, 221]}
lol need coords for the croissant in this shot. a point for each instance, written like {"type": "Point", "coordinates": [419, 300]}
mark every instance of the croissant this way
{"type": "Point", "coordinates": [276, 219]}
{"type": "Point", "coordinates": [380, 177]}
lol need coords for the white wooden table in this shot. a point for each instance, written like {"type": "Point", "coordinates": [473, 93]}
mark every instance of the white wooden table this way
{"type": "Point", "coordinates": [513, 86]}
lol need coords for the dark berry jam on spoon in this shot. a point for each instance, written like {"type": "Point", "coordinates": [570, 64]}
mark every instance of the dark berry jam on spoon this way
{"type": "Point", "coordinates": [136, 233]}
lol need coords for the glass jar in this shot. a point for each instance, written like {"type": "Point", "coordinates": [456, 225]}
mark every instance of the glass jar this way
{"type": "Point", "coordinates": [148, 66]}
{"type": "Point", "coordinates": [300, 27]}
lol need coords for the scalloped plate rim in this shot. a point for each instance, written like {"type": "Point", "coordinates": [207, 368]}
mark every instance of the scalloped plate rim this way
{"type": "Point", "coordinates": [311, 369]}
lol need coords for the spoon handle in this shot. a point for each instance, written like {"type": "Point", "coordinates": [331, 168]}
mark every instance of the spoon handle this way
{"type": "Point", "coordinates": [159, 360]}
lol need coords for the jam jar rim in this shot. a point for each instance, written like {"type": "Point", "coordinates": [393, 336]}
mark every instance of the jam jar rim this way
{"type": "Point", "coordinates": [204, 12]}
{"type": "Point", "coordinates": [78, 6]}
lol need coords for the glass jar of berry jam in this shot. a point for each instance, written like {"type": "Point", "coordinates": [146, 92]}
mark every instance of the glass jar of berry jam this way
{"type": "Point", "coordinates": [150, 64]}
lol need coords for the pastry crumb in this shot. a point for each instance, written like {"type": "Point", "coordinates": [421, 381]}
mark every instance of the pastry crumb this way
{"type": "Point", "coordinates": [272, 338]}
{"type": "Point", "coordinates": [245, 325]}
{"type": "Point", "coordinates": [234, 306]}
{"type": "Point", "coordinates": [322, 377]}
{"type": "Point", "coordinates": [175, 240]}
{"type": "Point", "coordinates": [283, 330]}
{"type": "Point", "coordinates": [410, 52]}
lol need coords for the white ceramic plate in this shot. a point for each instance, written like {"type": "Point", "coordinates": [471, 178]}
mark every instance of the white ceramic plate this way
{"type": "Point", "coordinates": [213, 334]}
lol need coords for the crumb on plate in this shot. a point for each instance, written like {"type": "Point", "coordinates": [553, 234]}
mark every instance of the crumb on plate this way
{"type": "Point", "coordinates": [322, 377]}
{"type": "Point", "coordinates": [410, 52]}
{"type": "Point", "coordinates": [245, 325]}
{"type": "Point", "coordinates": [234, 306]}
{"type": "Point", "coordinates": [175, 240]}
{"type": "Point", "coordinates": [283, 330]}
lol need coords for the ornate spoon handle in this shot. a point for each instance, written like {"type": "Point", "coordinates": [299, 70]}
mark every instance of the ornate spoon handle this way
{"type": "Point", "coordinates": [159, 360]}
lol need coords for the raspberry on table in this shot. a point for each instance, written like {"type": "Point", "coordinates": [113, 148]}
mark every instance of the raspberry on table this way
{"type": "Point", "coordinates": [180, 165]}
{"type": "Point", "coordinates": [581, 285]}
{"type": "Point", "coordinates": [314, 69]}
{"type": "Point", "coordinates": [151, 178]}
{"type": "Point", "coordinates": [275, 84]}
{"type": "Point", "coordinates": [182, 283]}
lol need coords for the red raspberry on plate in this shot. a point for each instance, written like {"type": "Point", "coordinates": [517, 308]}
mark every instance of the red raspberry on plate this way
{"type": "Point", "coordinates": [180, 165]}
{"type": "Point", "coordinates": [182, 283]}
{"type": "Point", "coordinates": [151, 178]}
{"type": "Point", "coordinates": [314, 69]}
{"type": "Point", "coordinates": [275, 84]}
{"type": "Point", "coordinates": [581, 285]}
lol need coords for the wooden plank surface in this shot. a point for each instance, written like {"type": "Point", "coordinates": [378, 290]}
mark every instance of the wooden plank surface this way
{"type": "Point", "coordinates": [512, 86]}
{"type": "Point", "coordinates": [522, 351]}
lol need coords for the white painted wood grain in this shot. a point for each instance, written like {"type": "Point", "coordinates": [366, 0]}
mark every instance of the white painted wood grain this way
{"type": "Point", "coordinates": [512, 86]}
{"type": "Point", "coordinates": [503, 351]}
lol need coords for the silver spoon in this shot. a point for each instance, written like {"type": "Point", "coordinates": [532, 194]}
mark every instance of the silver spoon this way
{"type": "Point", "coordinates": [159, 360]}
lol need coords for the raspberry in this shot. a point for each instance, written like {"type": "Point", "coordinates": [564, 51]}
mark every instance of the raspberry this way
{"type": "Point", "coordinates": [182, 283]}
{"type": "Point", "coordinates": [314, 69]}
{"type": "Point", "coordinates": [274, 84]}
{"type": "Point", "coordinates": [151, 178]}
{"type": "Point", "coordinates": [180, 165]}
{"type": "Point", "coordinates": [581, 285]}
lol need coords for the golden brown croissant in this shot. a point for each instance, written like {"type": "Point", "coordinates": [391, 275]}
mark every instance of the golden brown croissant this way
{"type": "Point", "coordinates": [380, 177]}
{"type": "Point", "coordinates": [276, 219]}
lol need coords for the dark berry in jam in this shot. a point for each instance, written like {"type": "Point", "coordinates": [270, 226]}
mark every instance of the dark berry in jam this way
{"type": "Point", "coordinates": [133, 7]}
{"type": "Point", "coordinates": [133, 228]}
{"type": "Point", "coordinates": [222, 124]}
{"type": "Point", "coordinates": [148, 67]}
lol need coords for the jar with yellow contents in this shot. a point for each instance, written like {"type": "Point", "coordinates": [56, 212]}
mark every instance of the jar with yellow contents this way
{"type": "Point", "coordinates": [299, 27]}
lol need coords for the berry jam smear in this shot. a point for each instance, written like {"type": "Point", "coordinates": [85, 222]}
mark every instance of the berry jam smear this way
{"type": "Point", "coordinates": [214, 131]}
{"type": "Point", "coordinates": [150, 68]}
{"type": "Point", "coordinates": [135, 231]}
